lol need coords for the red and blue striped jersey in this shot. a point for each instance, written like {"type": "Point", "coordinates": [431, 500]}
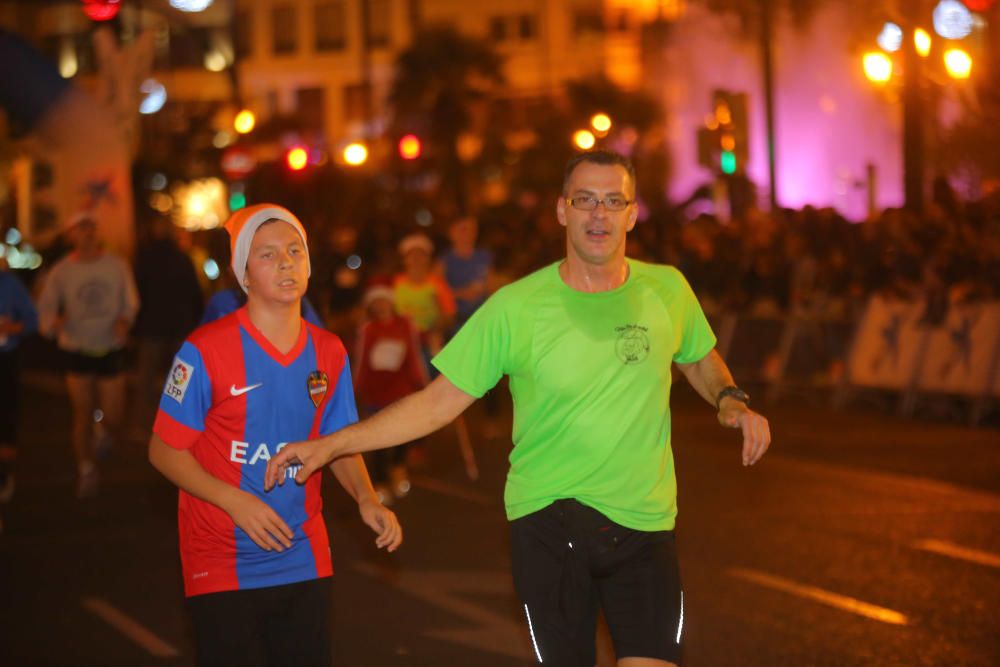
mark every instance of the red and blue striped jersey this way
{"type": "Point", "coordinates": [233, 400]}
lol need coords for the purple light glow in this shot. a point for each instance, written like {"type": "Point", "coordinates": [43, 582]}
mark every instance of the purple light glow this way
{"type": "Point", "coordinates": [830, 121]}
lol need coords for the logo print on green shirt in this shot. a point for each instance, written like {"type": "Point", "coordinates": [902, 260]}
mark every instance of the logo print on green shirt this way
{"type": "Point", "coordinates": [632, 346]}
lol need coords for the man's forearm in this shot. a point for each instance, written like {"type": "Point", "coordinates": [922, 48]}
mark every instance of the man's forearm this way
{"type": "Point", "coordinates": [708, 376]}
{"type": "Point", "coordinates": [407, 419]}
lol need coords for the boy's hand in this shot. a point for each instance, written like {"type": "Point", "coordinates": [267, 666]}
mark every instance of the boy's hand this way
{"type": "Point", "coordinates": [261, 523]}
{"type": "Point", "coordinates": [384, 522]}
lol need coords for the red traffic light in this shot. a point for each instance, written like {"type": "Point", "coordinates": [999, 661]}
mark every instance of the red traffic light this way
{"type": "Point", "coordinates": [101, 10]}
{"type": "Point", "coordinates": [409, 147]}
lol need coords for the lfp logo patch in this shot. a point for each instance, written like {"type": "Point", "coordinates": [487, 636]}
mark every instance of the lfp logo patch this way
{"type": "Point", "coordinates": [178, 380]}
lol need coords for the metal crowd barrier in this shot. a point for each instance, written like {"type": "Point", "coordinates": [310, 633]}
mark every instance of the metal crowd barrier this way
{"type": "Point", "coordinates": [888, 348]}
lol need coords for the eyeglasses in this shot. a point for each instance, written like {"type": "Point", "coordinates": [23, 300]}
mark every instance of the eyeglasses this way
{"type": "Point", "coordinates": [589, 203]}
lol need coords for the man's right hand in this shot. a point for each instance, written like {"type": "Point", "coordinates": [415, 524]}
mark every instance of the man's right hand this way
{"type": "Point", "coordinates": [311, 455]}
{"type": "Point", "coordinates": [260, 522]}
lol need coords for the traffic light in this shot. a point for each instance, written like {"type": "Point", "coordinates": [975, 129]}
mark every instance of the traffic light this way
{"type": "Point", "coordinates": [101, 10]}
{"type": "Point", "coordinates": [410, 147]}
{"type": "Point", "coordinates": [729, 118]}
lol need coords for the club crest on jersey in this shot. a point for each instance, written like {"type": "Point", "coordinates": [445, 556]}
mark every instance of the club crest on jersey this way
{"type": "Point", "coordinates": [178, 380]}
{"type": "Point", "coordinates": [317, 384]}
{"type": "Point", "coordinates": [632, 346]}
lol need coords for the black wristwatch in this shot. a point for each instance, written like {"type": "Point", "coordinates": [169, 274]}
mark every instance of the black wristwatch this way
{"type": "Point", "coordinates": [734, 392]}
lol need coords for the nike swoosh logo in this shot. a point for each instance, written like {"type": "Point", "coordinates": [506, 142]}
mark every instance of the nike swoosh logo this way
{"type": "Point", "coordinates": [242, 390]}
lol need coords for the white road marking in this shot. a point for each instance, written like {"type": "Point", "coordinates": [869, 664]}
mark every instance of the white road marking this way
{"type": "Point", "coordinates": [129, 627]}
{"type": "Point", "coordinates": [857, 492]}
{"type": "Point", "coordinates": [962, 553]}
{"type": "Point", "coordinates": [448, 489]}
{"type": "Point", "coordinates": [844, 602]}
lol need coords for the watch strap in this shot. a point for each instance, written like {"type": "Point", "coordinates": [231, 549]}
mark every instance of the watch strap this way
{"type": "Point", "coordinates": [734, 392]}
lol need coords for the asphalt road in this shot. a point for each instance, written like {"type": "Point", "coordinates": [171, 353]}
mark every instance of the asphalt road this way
{"type": "Point", "coordinates": [861, 539]}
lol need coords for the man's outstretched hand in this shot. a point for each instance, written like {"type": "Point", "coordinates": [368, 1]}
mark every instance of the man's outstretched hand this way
{"type": "Point", "coordinates": [310, 455]}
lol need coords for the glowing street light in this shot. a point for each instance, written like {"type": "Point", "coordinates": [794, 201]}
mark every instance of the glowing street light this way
{"type": "Point", "coordinates": [584, 139]}
{"type": "Point", "coordinates": [601, 122]}
{"type": "Point", "coordinates": [297, 158]}
{"type": "Point", "coordinates": [215, 61]}
{"type": "Point", "coordinates": [192, 6]}
{"type": "Point", "coordinates": [355, 154]}
{"type": "Point", "coordinates": [952, 19]}
{"type": "Point", "coordinates": [891, 37]}
{"type": "Point", "coordinates": [878, 67]}
{"type": "Point", "coordinates": [958, 63]}
{"type": "Point", "coordinates": [922, 40]}
{"type": "Point", "coordinates": [155, 96]}
{"type": "Point", "coordinates": [244, 121]}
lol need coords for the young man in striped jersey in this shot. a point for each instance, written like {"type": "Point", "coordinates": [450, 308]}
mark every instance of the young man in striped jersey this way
{"type": "Point", "coordinates": [257, 566]}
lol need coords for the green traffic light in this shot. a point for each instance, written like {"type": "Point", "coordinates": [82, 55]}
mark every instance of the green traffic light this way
{"type": "Point", "coordinates": [237, 200]}
{"type": "Point", "coordinates": [727, 160]}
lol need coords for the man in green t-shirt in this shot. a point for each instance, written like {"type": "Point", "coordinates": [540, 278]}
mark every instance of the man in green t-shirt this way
{"type": "Point", "coordinates": [588, 345]}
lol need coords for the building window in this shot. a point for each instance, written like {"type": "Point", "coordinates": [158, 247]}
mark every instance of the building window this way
{"type": "Point", "coordinates": [378, 27]}
{"type": "Point", "coordinates": [272, 103]}
{"type": "Point", "coordinates": [330, 26]}
{"type": "Point", "coordinates": [587, 21]}
{"type": "Point", "coordinates": [310, 108]}
{"type": "Point", "coordinates": [498, 28]}
{"type": "Point", "coordinates": [189, 46]}
{"type": "Point", "coordinates": [527, 28]}
{"type": "Point", "coordinates": [244, 34]}
{"type": "Point", "coordinates": [623, 21]}
{"type": "Point", "coordinates": [285, 29]}
{"type": "Point", "coordinates": [356, 103]}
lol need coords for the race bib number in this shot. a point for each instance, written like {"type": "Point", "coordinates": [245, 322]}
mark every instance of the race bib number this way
{"type": "Point", "coordinates": [388, 355]}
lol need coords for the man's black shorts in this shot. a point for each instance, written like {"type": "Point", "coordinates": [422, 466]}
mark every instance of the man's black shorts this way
{"type": "Point", "coordinates": [568, 559]}
{"type": "Point", "coordinates": [288, 625]}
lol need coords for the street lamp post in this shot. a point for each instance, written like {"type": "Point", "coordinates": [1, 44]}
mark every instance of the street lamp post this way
{"type": "Point", "coordinates": [952, 21]}
{"type": "Point", "coordinates": [768, 67]}
{"type": "Point", "coordinates": [913, 125]}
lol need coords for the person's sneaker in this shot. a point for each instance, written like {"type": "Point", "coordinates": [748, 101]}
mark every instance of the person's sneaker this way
{"type": "Point", "coordinates": [400, 480]}
{"type": "Point", "coordinates": [88, 483]}
{"type": "Point", "coordinates": [6, 487]}
{"type": "Point", "coordinates": [384, 494]}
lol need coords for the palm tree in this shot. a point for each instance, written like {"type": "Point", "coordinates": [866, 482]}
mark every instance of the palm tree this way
{"type": "Point", "coordinates": [439, 79]}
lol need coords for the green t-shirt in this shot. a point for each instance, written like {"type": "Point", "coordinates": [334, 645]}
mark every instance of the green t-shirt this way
{"type": "Point", "coordinates": [590, 379]}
